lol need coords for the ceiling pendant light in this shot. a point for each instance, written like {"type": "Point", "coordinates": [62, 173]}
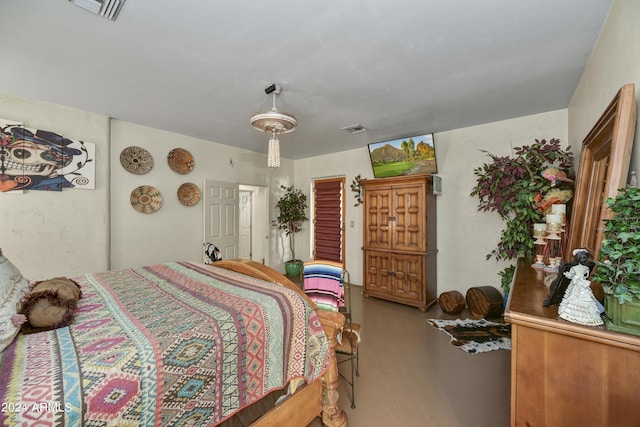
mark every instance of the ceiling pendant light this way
{"type": "Point", "coordinates": [274, 122]}
{"type": "Point", "coordinates": [273, 156]}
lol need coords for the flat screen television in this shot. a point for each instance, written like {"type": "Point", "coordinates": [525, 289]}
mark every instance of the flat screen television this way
{"type": "Point", "coordinates": [404, 156]}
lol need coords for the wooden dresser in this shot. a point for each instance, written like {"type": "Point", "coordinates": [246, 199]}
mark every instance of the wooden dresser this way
{"type": "Point", "coordinates": [565, 374]}
{"type": "Point", "coordinates": [399, 240]}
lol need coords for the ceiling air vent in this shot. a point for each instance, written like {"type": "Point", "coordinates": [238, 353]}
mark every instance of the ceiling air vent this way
{"type": "Point", "coordinates": [107, 8]}
{"type": "Point", "coordinates": [354, 129]}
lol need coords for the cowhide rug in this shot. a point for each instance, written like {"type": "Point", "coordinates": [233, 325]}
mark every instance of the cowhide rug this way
{"type": "Point", "coordinates": [475, 336]}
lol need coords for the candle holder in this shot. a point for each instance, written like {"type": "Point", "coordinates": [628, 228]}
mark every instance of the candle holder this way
{"type": "Point", "coordinates": [553, 230]}
{"type": "Point", "coordinates": [551, 259]}
{"type": "Point", "coordinates": [561, 209]}
{"type": "Point", "coordinates": [540, 236]}
{"type": "Point", "coordinates": [540, 233]}
{"type": "Point", "coordinates": [553, 249]}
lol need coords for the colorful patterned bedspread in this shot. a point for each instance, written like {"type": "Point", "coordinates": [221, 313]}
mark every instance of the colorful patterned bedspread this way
{"type": "Point", "coordinates": [171, 344]}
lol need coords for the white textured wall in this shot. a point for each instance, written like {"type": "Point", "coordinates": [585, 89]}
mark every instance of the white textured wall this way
{"type": "Point", "coordinates": [51, 233]}
{"type": "Point", "coordinates": [614, 62]}
{"type": "Point", "coordinates": [48, 234]}
{"type": "Point", "coordinates": [347, 164]}
{"type": "Point", "coordinates": [175, 232]}
{"type": "Point", "coordinates": [465, 236]}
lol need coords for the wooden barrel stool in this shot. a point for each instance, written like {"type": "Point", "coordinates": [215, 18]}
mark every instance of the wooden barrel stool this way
{"type": "Point", "coordinates": [484, 301]}
{"type": "Point", "coordinates": [451, 302]}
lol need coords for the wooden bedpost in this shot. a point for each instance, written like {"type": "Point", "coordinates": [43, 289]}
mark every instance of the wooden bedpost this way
{"type": "Point", "coordinates": [332, 413]}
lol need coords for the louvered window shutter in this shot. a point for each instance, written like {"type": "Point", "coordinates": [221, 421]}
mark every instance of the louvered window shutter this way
{"type": "Point", "coordinates": [328, 219]}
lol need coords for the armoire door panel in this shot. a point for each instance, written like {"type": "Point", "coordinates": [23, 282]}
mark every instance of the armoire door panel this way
{"type": "Point", "coordinates": [379, 273]}
{"type": "Point", "coordinates": [378, 212]}
{"type": "Point", "coordinates": [409, 280]}
{"type": "Point", "coordinates": [408, 212]}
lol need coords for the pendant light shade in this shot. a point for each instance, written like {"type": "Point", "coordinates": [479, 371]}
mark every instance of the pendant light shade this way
{"type": "Point", "coordinates": [274, 122]}
{"type": "Point", "coordinates": [273, 156]}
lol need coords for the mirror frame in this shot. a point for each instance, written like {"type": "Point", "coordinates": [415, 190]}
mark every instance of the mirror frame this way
{"type": "Point", "coordinates": [603, 169]}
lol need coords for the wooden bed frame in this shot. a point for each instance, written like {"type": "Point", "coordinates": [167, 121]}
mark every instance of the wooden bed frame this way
{"type": "Point", "coordinates": [321, 396]}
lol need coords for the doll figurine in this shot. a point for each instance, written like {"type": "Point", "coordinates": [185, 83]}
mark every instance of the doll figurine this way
{"type": "Point", "coordinates": [579, 305]}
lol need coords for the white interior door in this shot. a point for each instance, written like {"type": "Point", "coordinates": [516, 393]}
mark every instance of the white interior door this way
{"type": "Point", "coordinates": [244, 247]}
{"type": "Point", "coordinates": [259, 223]}
{"type": "Point", "coordinates": [221, 217]}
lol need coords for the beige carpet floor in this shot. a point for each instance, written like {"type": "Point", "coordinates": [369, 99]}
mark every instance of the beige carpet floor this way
{"type": "Point", "coordinates": [410, 375]}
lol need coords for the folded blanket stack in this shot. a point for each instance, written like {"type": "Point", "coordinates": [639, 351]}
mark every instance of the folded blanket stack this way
{"type": "Point", "coordinates": [323, 284]}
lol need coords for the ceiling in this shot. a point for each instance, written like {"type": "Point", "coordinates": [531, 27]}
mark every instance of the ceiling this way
{"type": "Point", "coordinates": [396, 67]}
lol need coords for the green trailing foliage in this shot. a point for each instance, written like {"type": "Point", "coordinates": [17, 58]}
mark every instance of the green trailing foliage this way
{"type": "Point", "coordinates": [618, 266]}
{"type": "Point", "coordinates": [512, 186]}
{"type": "Point", "coordinates": [506, 276]}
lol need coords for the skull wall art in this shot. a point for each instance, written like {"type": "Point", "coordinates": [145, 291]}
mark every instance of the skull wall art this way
{"type": "Point", "coordinates": [43, 160]}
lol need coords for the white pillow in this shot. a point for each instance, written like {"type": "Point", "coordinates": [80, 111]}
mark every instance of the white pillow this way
{"type": "Point", "coordinates": [12, 288]}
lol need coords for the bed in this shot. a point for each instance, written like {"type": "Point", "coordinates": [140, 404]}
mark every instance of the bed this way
{"type": "Point", "coordinates": [178, 344]}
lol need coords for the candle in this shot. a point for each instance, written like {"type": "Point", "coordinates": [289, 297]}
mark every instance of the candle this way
{"type": "Point", "coordinates": [554, 218]}
{"type": "Point", "coordinates": [539, 227]}
{"type": "Point", "coordinates": [539, 232]}
{"type": "Point", "coordinates": [559, 209]}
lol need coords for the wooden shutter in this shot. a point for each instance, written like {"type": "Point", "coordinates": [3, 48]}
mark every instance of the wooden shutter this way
{"type": "Point", "coordinates": [328, 219]}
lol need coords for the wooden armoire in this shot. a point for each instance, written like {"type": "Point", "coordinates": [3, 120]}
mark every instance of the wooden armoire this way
{"type": "Point", "coordinates": [399, 240]}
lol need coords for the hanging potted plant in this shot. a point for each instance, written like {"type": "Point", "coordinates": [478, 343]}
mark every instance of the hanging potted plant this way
{"type": "Point", "coordinates": [356, 187]}
{"type": "Point", "coordinates": [520, 189]}
{"type": "Point", "coordinates": [291, 215]}
{"type": "Point", "coordinates": [618, 266]}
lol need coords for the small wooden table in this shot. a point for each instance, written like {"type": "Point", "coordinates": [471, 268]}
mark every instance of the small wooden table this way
{"type": "Point", "coordinates": [566, 374]}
